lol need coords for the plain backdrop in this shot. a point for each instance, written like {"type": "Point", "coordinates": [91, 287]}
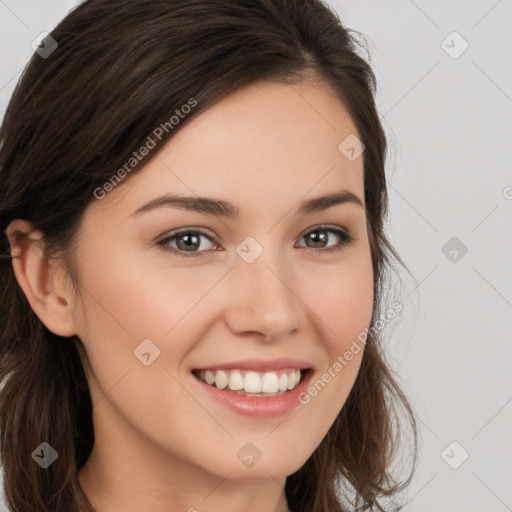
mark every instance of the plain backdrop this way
{"type": "Point", "coordinates": [445, 96]}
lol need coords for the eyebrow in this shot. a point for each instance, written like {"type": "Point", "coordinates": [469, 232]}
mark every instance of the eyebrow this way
{"type": "Point", "coordinates": [220, 208]}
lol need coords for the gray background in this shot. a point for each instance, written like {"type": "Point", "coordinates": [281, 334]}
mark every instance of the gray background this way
{"type": "Point", "coordinates": [449, 125]}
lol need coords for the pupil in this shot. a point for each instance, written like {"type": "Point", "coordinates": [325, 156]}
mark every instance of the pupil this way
{"type": "Point", "coordinates": [322, 236]}
{"type": "Point", "coordinates": [188, 237]}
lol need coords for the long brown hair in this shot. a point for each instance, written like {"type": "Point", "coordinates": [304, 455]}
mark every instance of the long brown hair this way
{"type": "Point", "coordinates": [121, 69]}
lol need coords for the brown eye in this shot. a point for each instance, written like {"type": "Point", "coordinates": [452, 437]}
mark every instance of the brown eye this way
{"type": "Point", "coordinates": [187, 242]}
{"type": "Point", "coordinates": [318, 237]}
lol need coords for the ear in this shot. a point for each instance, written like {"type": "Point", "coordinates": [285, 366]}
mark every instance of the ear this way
{"type": "Point", "coordinates": [41, 282]}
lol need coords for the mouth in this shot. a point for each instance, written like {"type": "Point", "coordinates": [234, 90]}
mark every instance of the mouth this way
{"type": "Point", "coordinates": [251, 383]}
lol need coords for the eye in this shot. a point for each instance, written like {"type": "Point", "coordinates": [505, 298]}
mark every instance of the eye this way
{"type": "Point", "coordinates": [318, 236]}
{"type": "Point", "coordinates": [188, 241]}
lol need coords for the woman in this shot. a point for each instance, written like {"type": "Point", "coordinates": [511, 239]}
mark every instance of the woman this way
{"type": "Point", "coordinates": [193, 197]}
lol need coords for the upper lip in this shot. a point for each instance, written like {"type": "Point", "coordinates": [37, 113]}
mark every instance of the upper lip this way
{"type": "Point", "coordinates": [259, 365]}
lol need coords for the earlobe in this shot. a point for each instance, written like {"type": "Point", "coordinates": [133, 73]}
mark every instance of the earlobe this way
{"type": "Point", "coordinates": [39, 280]}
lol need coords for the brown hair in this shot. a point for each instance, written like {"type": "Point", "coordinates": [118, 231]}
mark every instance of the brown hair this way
{"type": "Point", "coordinates": [121, 69]}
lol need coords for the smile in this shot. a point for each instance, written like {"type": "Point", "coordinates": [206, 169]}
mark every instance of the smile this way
{"type": "Point", "coordinates": [251, 383]}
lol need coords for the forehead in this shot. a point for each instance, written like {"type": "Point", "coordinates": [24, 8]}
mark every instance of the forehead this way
{"type": "Point", "coordinates": [267, 143]}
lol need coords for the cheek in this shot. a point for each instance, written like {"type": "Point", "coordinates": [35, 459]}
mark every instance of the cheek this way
{"type": "Point", "coordinates": [342, 301]}
{"type": "Point", "coordinates": [128, 301]}
{"type": "Point", "coordinates": [341, 297]}
{"type": "Point", "coordinates": [132, 299]}
{"type": "Point", "coordinates": [347, 307]}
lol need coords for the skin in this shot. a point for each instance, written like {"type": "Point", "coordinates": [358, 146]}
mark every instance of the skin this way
{"type": "Point", "coordinates": [161, 443]}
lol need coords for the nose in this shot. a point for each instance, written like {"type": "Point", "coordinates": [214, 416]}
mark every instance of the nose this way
{"type": "Point", "coordinates": [262, 298]}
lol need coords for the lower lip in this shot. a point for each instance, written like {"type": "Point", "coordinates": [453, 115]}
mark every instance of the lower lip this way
{"type": "Point", "coordinates": [262, 407]}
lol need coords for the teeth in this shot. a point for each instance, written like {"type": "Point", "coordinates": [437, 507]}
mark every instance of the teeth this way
{"type": "Point", "coordinates": [252, 382]}
{"type": "Point", "coordinates": [291, 380]}
{"type": "Point", "coordinates": [236, 381]}
{"type": "Point", "coordinates": [283, 382]}
{"type": "Point", "coordinates": [221, 379]}
{"type": "Point", "coordinates": [249, 382]}
{"type": "Point", "coordinates": [270, 383]}
{"type": "Point", "coordinates": [294, 379]}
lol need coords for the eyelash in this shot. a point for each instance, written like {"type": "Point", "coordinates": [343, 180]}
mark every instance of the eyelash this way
{"type": "Point", "coordinates": [346, 239]}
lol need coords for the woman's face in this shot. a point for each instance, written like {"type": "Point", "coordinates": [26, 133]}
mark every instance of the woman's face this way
{"type": "Point", "coordinates": [239, 292]}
